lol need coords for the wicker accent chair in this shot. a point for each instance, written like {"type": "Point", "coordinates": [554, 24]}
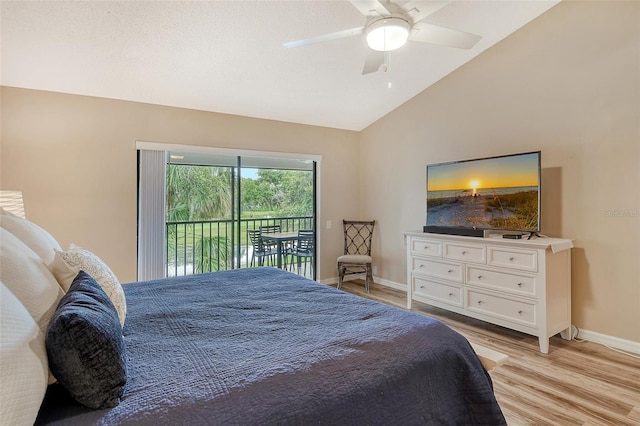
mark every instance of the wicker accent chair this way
{"type": "Point", "coordinates": [357, 251]}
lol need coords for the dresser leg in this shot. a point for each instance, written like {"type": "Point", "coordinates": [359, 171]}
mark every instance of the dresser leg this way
{"type": "Point", "coordinates": [544, 344]}
{"type": "Point", "coordinates": [566, 334]}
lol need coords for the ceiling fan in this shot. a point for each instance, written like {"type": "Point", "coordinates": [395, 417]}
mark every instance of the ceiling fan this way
{"type": "Point", "coordinates": [390, 25]}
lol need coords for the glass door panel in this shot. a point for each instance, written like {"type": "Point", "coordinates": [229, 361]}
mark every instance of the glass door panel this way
{"type": "Point", "coordinates": [214, 201]}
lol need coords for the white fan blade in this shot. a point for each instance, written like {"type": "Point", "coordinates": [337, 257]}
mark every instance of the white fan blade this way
{"type": "Point", "coordinates": [373, 61]}
{"type": "Point", "coordinates": [418, 10]}
{"type": "Point", "coordinates": [434, 34]}
{"type": "Point", "coordinates": [370, 7]}
{"type": "Point", "coordinates": [326, 37]}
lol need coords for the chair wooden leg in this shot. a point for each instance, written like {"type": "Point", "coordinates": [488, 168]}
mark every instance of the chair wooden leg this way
{"type": "Point", "coordinates": [340, 276]}
{"type": "Point", "coordinates": [369, 279]}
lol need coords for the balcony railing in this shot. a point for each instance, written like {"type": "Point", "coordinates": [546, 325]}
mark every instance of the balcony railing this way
{"type": "Point", "coordinates": [207, 245]}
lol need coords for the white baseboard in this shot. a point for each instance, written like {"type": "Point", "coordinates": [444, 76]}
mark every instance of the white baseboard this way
{"type": "Point", "coordinates": [591, 336]}
{"type": "Point", "coordinates": [392, 284]}
{"type": "Point", "coordinates": [329, 281]}
{"type": "Point", "coordinates": [350, 277]}
{"type": "Point", "coordinates": [611, 341]}
{"type": "Point", "coordinates": [376, 280]}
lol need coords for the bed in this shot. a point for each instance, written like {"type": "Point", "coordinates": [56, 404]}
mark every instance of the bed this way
{"type": "Point", "coordinates": [265, 346]}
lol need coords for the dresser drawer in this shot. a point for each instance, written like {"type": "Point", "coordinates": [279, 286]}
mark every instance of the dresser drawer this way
{"type": "Point", "coordinates": [502, 308]}
{"type": "Point", "coordinates": [442, 292]}
{"type": "Point", "coordinates": [526, 260]}
{"type": "Point", "coordinates": [519, 284]}
{"type": "Point", "coordinates": [426, 247]}
{"type": "Point", "coordinates": [436, 268]}
{"type": "Point", "coordinates": [465, 252]}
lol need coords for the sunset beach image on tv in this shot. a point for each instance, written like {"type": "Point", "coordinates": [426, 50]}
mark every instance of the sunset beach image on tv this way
{"type": "Point", "coordinates": [490, 193]}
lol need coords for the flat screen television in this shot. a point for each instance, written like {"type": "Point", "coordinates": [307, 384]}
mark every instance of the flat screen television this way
{"type": "Point", "coordinates": [496, 193]}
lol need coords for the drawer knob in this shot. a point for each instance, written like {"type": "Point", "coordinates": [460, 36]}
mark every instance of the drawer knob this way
{"type": "Point", "coordinates": [511, 259]}
{"type": "Point", "coordinates": [450, 294]}
{"type": "Point", "coordinates": [479, 302]}
{"type": "Point", "coordinates": [519, 284]}
{"type": "Point", "coordinates": [464, 252]}
{"type": "Point", "coordinates": [520, 312]}
{"type": "Point", "coordinates": [479, 277]}
{"type": "Point", "coordinates": [450, 271]}
{"type": "Point", "coordinates": [421, 286]}
{"type": "Point", "coordinates": [426, 247]}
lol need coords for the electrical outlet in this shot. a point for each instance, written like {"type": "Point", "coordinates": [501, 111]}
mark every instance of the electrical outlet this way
{"type": "Point", "coordinates": [328, 224]}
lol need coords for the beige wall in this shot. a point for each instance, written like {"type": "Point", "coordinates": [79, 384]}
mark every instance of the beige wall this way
{"type": "Point", "coordinates": [74, 158]}
{"type": "Point", "coordinates": [567, 84]}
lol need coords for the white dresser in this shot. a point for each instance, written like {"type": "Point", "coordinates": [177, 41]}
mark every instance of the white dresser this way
{"type": "Point", "coordinates": [524, 285]}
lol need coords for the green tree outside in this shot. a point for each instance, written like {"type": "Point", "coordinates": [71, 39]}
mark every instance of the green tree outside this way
{"type": "Point", "coordinates": [203, 193]}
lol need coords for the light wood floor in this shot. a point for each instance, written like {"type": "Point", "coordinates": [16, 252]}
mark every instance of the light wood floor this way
{"type": "Point", "coordinates": [577, 383]}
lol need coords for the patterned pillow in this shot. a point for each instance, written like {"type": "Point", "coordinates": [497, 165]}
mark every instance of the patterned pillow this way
{"type": "Point", "coordinates": [68, 264]}
{"type": "Point", "coordinates": [85, 346]}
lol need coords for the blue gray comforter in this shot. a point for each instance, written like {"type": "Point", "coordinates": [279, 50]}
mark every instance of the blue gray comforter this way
{"type": "Point", "coordinates": [263, 346]}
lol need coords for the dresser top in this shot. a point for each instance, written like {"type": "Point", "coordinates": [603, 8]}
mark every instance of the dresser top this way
{"type": "Point", "coordinates": [555, 244]}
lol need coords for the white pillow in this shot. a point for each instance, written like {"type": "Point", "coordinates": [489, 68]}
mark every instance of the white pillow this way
{"type": "Point", "coordinates": [36, 238]}
{"type": "Point", "coordinates": [68, 263]}
{"type": "Point", "coordinates": [23, 362]}
{"type": "Point", "coordinates": [26, 275]}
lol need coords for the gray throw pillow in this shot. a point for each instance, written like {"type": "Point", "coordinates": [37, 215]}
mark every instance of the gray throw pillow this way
{"type": "Point", "coordinates": [85, 346]}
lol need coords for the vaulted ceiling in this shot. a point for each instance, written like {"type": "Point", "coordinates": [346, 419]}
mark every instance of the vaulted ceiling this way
{"type": "Point", "coordinates": [228, 57]}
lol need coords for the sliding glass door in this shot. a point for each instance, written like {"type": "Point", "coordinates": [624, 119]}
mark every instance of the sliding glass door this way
{"type": "Point", "coordinates": [213, 202]}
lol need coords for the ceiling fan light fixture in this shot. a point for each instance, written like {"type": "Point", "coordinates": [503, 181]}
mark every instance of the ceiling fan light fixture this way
{"type": "Point", "coordinates": [387, 34]}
